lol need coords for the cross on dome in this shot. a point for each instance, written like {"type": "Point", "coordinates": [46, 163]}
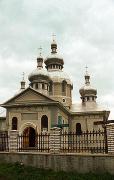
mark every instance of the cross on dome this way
{"type": "Point", "coordinates": [40, 50]}
{"type": "Point", "coordinates": [86, 69]}
{"type": "Point", "coordinates": [23, 76]}
{"type": "Point", "coordinates": [53, 37]}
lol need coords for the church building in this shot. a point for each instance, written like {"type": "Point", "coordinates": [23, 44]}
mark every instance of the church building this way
{"type": "Point", "coordinates": [47, 101]}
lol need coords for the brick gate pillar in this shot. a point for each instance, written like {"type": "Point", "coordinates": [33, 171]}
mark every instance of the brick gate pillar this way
{"type": "Point", "coordinates": [55, 140]}
{"type": "Point", "coordinates": [110, 137]}
{"type": "Point", "coordinates": [13, 135]}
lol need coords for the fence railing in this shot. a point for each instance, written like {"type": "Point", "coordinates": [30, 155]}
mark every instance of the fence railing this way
{"type": "Point", "coordinates": [67, 142]}
{"type": "Point", "coordinates": [40, 143]}
{"type": "Point", "coordinates": [88, 141]}
{"type": "Point", "coordinates": [4, 141]}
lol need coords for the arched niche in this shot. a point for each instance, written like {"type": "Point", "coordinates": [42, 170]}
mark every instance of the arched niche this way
{"type": "Point", "coordinates": [14, 123]}
{"type": "Point", "coordinates": [44, 123]}
{"type": "Point", "coordinates": [78, 129]}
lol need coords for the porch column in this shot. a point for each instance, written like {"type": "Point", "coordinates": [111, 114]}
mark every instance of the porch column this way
{"type": "Point", "coordinates": [55, 140]}
{"type": "Point", "coordinates": [13, 135]}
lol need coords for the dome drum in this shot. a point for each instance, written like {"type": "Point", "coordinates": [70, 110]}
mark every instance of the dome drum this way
{"type": "Point", "coordinates": [54, 60]}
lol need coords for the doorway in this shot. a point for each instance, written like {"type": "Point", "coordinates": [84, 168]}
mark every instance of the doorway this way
{"type": "Point", "coordinates": [29, 137]}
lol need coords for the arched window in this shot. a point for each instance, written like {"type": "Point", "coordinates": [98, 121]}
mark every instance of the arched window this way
{"type": "Point", "coordinates": [14, 123]}
{"type": "Point", "coordinates": [64, 83]}
{"type": "Point", "coordinates": [44, 123]}
{"type": "Point", "coordinates": [78, 129]}
{"type": "Point", "coordinates": [51, 87]}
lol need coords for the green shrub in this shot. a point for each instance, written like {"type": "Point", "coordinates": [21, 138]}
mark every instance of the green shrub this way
{"type": "Point", "coordinates": [18, 171]}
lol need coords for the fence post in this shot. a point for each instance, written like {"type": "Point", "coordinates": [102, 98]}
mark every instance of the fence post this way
{"type": "Point", "coordinates": [110, 137]}
{"type": "Point", "coordinates": [55, 140]}
{"type": "Point", "coordinates": [13, 135]}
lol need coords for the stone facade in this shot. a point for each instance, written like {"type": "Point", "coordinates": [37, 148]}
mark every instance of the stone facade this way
{"type": "Point", "coordinates": [87, 121]}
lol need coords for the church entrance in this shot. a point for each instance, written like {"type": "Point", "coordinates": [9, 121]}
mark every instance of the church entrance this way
{"type": "Point", "coordinates": [29, 137]}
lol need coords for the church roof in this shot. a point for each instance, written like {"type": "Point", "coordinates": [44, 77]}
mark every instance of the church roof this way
{"type": "Point", "coordinates": [88, 107]}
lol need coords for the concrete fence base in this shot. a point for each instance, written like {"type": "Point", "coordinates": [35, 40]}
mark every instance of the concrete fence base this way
{"type": "Point", "coordinates": [80, 163]}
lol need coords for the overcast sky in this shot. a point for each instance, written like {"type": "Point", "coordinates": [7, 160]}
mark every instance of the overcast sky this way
{"type": "Point", "coordinates": [84, 32]}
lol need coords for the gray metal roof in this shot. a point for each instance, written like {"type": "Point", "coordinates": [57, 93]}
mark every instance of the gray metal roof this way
{"type": "Point", "coordinates": [38, 71]}
{"type": "Point", "coordinates": [59, 76]}
{"type": "Point", "coordinates": [54, 55]}
{"type": "Point", "coordinates": [87, 107]}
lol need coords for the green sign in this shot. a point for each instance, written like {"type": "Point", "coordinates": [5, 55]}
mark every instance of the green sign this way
{"type": "Point", "coordinates": [59, 120]}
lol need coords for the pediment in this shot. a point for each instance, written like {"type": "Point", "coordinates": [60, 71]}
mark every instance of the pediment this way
{"type": "Point", "coordinates": [29, 96]}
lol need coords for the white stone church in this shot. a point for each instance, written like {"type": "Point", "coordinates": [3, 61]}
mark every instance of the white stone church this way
{"type": "Point", "coordinates": [47, 101]}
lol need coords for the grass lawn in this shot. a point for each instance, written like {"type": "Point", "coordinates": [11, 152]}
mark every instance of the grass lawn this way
{"type": "Point", "coordinates": [20, 172]}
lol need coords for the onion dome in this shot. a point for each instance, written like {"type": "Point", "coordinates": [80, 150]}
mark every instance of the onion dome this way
{"type": "Point", "coordinates": [39, 78]}
{"type": "Point", "coordinates": [87, 92]}
{"type": "Point", "coordinates": [54, 61]}
{"type": "Point", "coordinates": [39, 72]}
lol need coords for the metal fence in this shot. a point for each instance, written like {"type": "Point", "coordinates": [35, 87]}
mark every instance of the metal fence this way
{"type": "Point", "coordinates": [70, 142]}
{"type": "Point", "coordinates": [4, 141]}
{"type": "Point", "coordinates": [39, 143]}
{"type": "Point", "coordinates": [88, 142]}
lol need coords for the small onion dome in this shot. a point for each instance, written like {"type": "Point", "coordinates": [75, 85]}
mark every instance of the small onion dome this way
{"type": "Point", "coordinates": [87, 90]}
{"type": "Point", "coordinates": [37, 74]}
{"type": "Point", "coordinates": [54, 57]}
{"type": "Point", "coordinates": [59, 76]}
